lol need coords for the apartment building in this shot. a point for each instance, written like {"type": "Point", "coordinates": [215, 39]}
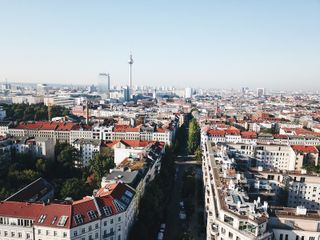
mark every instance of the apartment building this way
{"type": "Point", "coordinates": [126, 132]}
{"type": "Point", "coordinates": [226, 199]}
{"type": "Point", "coordinates": [87, 149]}
{"type": "Point", "coordinates": [58, 131]}
{"type": "Point", "coordinates": [294, 223]}
{"type": "Point", "coordinates": [221, 135]}
{"type": "Point", "coordinates": [302, 187]}
{"type": "Point", "coordinates": [108, 214]}
{"type": "Point", "coordinates": [229, 214]}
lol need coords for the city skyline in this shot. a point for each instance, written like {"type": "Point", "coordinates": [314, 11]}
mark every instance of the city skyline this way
{"type": "Point", "coordinates": [210, 45]}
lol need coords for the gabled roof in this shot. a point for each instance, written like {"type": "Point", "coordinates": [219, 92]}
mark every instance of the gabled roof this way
{"type": "Point", "coordinates": [20, 209]}
{"type": "Point", "coordinates": [305, 149]}
{"type": "Point", "coordinates": [116, 197]}
{"type": "Point", "coordinates": [216, 132]}
{"type": "Point", "coordinates": [53, 215]}
{"type": "Point", "coordinates": [248, 134]}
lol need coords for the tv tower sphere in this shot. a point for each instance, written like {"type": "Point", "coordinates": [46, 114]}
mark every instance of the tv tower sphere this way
{"type": "Point", "coordinates": [130, 59]}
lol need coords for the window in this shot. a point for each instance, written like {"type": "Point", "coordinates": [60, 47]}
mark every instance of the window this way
{"type": "Point", "coordinates": [62, 221]}
{"type": "Point", "coordinates": [107, 210]}
{"type": "Point", "coordinates": [78, 219]}
{"type": "Point", "coordinates": [54, 220]}
{"type": "Point", "coordinates": [42, 218]}
{"type": "Point", "coordinates": [92, 215]}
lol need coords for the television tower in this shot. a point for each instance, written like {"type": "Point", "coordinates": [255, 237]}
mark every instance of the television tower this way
{"type": "Point", "coordinates": [130, 74]}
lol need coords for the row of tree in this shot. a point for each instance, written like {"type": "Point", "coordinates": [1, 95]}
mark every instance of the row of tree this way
{"type": "Point", "coordinates": [193, 136]}
{"type": "Point", "coordinates": [154, 201]}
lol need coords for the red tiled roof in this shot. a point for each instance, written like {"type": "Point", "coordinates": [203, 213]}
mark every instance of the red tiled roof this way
{"type": "Point", "coordinates": [301, 131]}
{"type": "Point", "coordinates": [120, 128]}
{"type": "Point", "coordinates": [42, 125]}
{"type": "Point", "coordinates": [282, 136]}
{"type": "Point", "coordinates": [305, 149]}
{"type": "Point", "coordinates": [82, 207]}
{"type": "Point", "coordinates": [216, 132]}
{"type": "Point", "coordinates": [51, 213]}
{"type": "Point", "coordinates": [233, 132]}
{"type": "Point", "coordinates": [20, 209]}
{"type": "Point", "coordinates": [136, 143]}
{"type": "Point", "coordinates": [249, 134]}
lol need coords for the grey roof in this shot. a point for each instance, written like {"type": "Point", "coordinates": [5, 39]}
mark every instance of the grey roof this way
{"type": "Point", "coordinates": [88, 141]}
{"type": "Point", "coordinates": [127, 177]}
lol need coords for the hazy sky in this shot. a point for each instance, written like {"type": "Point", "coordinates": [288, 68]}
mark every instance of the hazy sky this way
{"type": "Point", "coordinates": [212, 44]}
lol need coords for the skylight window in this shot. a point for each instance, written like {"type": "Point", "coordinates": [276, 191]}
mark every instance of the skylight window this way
{"type": "Point", "coordinates": [128, 194]}
{"type": "Point", "coordinates": [42, 218]}
{"type": "Point", "coordinates": [62, 221]}
{"type": "Point", "coordinates": [125, 199]}
{"type": "Point", "coordinates": [54, 220]}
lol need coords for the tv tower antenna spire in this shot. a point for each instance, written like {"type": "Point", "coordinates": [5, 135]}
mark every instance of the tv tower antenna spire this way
{"type": "Point", "coordinates": [130, 61]}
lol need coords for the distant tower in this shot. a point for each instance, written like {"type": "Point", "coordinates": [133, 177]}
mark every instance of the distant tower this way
{"type": "Point", "coordinates": [87, 111]}
{"type": "Point", "coordinates": [108, 86]}
{"type": "Point", "coordinates": [49, 110]}
{"type": "Point", "coordinates": [130, 73]}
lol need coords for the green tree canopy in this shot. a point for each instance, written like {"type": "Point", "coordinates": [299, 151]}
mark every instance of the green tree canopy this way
{"type": "Point", "coordinates": [193, 136]}
{"type": "Point", "coordinates": [101, 163]}
{"type": "Point", "coordinates": [74, 188]}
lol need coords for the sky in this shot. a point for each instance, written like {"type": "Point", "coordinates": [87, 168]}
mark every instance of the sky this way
{"type": "Point", "coordinates": [201, 44]}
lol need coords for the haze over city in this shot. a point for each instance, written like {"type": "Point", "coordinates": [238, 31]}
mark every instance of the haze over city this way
{"type": "Point", "coordinates": [207, 44]}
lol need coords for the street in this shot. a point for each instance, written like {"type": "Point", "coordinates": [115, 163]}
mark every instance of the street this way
{"type": "Point", "coordinates": [175, 226]}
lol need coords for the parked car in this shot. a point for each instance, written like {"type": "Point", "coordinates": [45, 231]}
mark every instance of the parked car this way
{"type": "Point", "coordinates": [162, 227]}
{"type": "Point", "coordinates": [182, 215]}
{"type": "Point", "coordinates": [160, 236]}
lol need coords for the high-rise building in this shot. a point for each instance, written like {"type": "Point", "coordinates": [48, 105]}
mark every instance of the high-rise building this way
{"type": "Point", "coordinates": [42, 89]}
{"type": "Point", "coordinates": [104, 85]}
{"type": "Point", "coordinates": [188, 92]}
{"type": "Point", "coordinates": [261, 92]}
